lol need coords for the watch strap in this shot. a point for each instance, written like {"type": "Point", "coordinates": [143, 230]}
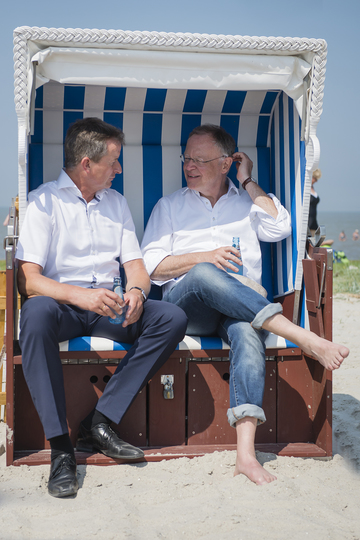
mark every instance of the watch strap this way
{"type": "Point", "coordinates": [142, 292]}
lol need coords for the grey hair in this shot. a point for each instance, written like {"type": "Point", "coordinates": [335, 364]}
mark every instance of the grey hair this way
{"type": "Point", "coordinates": [221, 138]}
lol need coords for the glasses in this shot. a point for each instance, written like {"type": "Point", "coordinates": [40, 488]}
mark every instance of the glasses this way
{"type": "Point", "coordinates": [196, 161]}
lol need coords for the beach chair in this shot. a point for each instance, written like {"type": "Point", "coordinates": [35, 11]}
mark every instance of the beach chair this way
{"type": "Point", "coordinates": [267, 92]}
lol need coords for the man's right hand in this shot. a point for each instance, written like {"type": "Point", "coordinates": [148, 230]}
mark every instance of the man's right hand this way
{"type": "Point", "coordinates": [223, 257]}
{"type": "Point", "coordinates": [32, 283]}
{"type": "Point", "coordinates": [101, 301]}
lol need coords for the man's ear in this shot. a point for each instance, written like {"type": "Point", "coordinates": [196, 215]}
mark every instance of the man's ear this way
{"type": "Point", "coordinates": [226, 164]}
{"type": "Point", "coordinates": [85, 163]}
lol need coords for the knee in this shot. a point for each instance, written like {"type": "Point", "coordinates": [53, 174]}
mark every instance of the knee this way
{"type": "Point", "coordinates": [177, 318]}
{"type": "Point", "coordinates": [171, 317]}
{"type": "Point", "coordinates": [203, 273]}
{"type": "Point", "coordinates": [242, 335]}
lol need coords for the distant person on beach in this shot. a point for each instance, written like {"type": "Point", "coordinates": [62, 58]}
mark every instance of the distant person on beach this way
{"type": "Point", "coordinates": [342, 236]}
{"type": "Point", "coordinates": [314, 201]}
{"type": "Point", "coordinates": [355, 235]}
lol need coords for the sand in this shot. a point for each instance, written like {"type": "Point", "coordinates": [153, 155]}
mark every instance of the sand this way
{"type": "Point", "coordinates": [200, 498]}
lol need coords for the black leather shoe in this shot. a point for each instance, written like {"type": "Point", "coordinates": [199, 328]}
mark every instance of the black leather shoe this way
{"type": "Point", "coordinates": [62, 480]}
{"type": "Point", "coordinates": [102, 438]}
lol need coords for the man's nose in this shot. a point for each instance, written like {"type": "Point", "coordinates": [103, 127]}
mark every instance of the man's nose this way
{"type": "Point", "coordinates": [189, 164]}
{"type": "Point", "coordinates": [117, 168]}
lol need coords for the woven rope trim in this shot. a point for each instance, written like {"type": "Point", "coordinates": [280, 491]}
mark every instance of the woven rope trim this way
{"type": "Point", "coordinates": [164, 39]}
{"type": "Point", "coordinates": [49, 36]}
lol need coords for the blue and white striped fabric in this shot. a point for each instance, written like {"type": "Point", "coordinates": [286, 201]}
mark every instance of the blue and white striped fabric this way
{"type": "Point", "coordinates": [156, 123]}
{"type": "Point", "coordinates": [87, 343]}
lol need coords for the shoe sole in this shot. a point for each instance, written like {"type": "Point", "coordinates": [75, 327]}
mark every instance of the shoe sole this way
{"type": "Point", "coordinates": [63, 495]}
{"type": "Point", "coordinates": [83, 447]}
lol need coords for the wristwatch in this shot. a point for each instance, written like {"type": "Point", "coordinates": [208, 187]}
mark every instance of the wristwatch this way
{"type": "Point", "coordinates": [142, 292]}
{"type": "Point", "coordinates": [245, 182]}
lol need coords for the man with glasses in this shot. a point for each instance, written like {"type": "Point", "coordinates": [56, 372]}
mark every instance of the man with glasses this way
{"type": "Point", "coordinates": [187, 248]}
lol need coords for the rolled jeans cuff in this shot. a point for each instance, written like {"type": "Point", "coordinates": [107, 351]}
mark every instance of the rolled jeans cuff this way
{"type": "Point", "coordinates": [242, 411]}
{"type": "Point", "coordinates": [266, 312]}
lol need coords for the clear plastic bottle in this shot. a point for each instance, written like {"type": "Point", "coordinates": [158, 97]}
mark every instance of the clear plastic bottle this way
{"type": "Point", "coordinates": [117, 287]}
{"type": "Point", "coordinates": [236, 244]}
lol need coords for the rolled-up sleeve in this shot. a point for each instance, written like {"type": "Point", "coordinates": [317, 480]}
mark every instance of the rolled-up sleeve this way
{"type": "Point", "coordinates": [157, 240]}
{"type": "Point", "coordinates": [271, 229]}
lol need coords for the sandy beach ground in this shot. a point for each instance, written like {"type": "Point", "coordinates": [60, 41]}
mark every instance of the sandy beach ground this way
{"type": "Point", "coordinates": [200, 498]}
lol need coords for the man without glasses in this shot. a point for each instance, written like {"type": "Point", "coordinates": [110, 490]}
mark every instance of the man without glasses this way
{"type": "Point", "coordinates": [76, 230]}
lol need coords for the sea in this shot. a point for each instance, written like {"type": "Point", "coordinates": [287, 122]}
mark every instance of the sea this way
{"type": "Point", "coordinates": [334, 223]}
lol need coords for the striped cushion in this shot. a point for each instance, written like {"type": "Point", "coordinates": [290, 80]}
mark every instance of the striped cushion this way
{"type": "Point", "coordinates": [189, 343]}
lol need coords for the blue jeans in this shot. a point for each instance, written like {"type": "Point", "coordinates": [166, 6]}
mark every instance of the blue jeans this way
{"type": "Point", "coordinates": [216, 303]}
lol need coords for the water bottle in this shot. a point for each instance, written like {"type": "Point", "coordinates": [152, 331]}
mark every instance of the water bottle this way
{"type": "Point", "coordinates": [117, 288]}
{"type": "Point", "coordinates": [236, 244]}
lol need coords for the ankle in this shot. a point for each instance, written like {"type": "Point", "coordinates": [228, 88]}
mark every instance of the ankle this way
{"type": "Point", "coordinates": [95, 418]}
{"type": "Point", "coordinates": [61, 445]}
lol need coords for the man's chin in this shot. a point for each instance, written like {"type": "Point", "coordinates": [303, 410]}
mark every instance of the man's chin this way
{"type": "Point", "coordinates": [192, 183]}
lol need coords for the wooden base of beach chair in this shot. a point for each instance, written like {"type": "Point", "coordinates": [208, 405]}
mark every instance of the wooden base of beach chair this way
{"type": "Point", "coordinates": [301, 450]}
{"type": "Point", "coordinates": [297, 403]}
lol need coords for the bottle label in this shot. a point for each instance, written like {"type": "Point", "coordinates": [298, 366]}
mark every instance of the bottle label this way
{"type": "Point", "coordinates": [118, 290]}
{"type": "Point", "coordinates": [236, 244]}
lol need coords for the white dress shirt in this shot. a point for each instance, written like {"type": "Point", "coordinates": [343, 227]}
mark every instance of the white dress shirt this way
{"type": "Point", "coordinates": [185, 222]}
{"type": "Point", "coordinates": [76, 242]}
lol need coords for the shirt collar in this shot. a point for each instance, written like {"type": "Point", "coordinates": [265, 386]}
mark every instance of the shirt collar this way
{"type": "Point", "coordinates": [65, 182]}
{"type": "Point", "coordinates": [232, 189]}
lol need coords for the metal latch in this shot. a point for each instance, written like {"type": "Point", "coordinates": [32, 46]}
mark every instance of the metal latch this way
{"type": "Point", "coordinates": [168, 382]}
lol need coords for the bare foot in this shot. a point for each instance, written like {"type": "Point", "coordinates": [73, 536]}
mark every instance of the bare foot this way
{"type": "Point", "coordinates": [329, 354]}
{"type": "Point", "coordinates": [255, 472]}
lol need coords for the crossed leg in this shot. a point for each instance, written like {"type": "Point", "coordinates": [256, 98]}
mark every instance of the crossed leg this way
{"type": "Point", "coordinates": [329, 354]}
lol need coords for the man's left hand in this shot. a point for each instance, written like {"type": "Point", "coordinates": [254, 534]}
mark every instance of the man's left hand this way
{"type": "Point", "coordinates": [244, 166]}
{"type": "Point", "coordinates": [135, 307]}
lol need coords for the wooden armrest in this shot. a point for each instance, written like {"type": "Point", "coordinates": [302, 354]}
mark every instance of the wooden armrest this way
{"type": "Point", "coordinates": [318, 278]}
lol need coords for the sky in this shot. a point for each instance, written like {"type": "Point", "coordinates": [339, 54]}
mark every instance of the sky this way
{"type": "Point", "coordinates": [333, 20]}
